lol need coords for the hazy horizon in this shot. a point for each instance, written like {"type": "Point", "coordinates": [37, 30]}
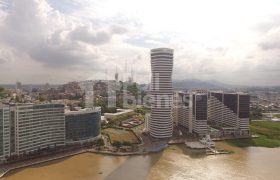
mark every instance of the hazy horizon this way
{"type": "Point", "coordinates": [233, 42]}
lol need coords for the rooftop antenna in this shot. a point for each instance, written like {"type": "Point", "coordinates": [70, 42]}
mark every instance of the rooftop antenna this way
{"type": "Point", "coordinates": [117, 74]}
{"type": "Point", "coordinates": [106, 74]}
{"type": "Point", "coordinates": [131, 74]}
{"type": "Point", "coordinates": [126, 70]}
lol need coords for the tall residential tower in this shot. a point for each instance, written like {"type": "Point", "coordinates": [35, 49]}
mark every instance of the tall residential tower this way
{"type": "Point", "coordinates": [160, 123]}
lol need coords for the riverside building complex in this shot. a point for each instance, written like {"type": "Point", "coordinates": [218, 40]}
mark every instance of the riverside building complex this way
{"type": "Point", "coordinates": [28, 128]}
{"type": "Point", "coordinates": [37, 126]}
{"type": "Point", "coordinates": [198, 111]}
{"type": "Point", "coordinates": [161, 92]}
{"type": "Point", "coordinates": [229, 111]}
{"type": "Point", "coordinates": [190, 111]}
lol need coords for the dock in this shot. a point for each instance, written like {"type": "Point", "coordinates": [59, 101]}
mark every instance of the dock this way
{"type": "Point", "coordinates": [176, 141]}
{"type": "Point", "coordinates": [235, 137]}
{"type": "Point", "coordinates": [212, 151]}
{"type": "Point", "coordinates": [195, 145]}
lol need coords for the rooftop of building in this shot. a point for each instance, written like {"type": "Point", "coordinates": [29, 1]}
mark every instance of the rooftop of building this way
{"type": "Point", "coordinates": [162, 50]}
{"type": "Point", "coordinates": [83, 111]}
{"type": "Point", "coordinates": [119, 112]}
{"type": "Point", "coordinates": [241, 93]}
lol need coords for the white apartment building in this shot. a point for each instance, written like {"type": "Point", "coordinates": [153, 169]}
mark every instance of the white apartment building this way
{"type": "Point", "coordinates": [4, 132]}
{"type": "Point", "coordinates": [161, 93]}
{"type": "Point", "coordinates": [38, 126]}
{"type": "Point", "coordinates": [182, 109]}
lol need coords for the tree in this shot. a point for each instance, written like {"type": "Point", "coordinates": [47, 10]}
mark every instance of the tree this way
{"type": "Point", "coordinates": [100, 142]}
{"type": "Point", "coordinates": [41, 98]}
{"type": "Point", "coordinates": [126, 143]}
{"type": "Point", "coordinates": [117, 144]}
{"type": "Point", "coordinates": [255, 113]}
{"type": "Point", "coordinates": [143, 94]}
{"type": "Point", "coordinates": [140, 110]}
{"type": "Point", "coordinates": [119, 103]}
{"type": "Point", "coordinates": [104, 106]}
{"type": "Point", "coordinates": [82, 104]}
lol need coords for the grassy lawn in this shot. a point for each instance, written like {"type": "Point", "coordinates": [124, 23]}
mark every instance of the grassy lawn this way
{"type": "Point", "coordinates": [268, 131]}
{"type": "Point", "coordinates": [139, 127]}
{"type": "Point", "coordinates": [121, 135]}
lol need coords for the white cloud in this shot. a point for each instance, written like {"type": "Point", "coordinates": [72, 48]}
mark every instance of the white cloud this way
{"type": "Point", "coordinates": [57, 41]}
{"type": "Point", "coordinates": [54, 42]}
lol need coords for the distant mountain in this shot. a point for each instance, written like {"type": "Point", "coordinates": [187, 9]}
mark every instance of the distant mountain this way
{"type": "Point", "coordinates": [198, 84]}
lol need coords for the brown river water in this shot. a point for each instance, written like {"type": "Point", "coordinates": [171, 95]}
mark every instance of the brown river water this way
{"type": "Point", "coordinates": [176, 162]}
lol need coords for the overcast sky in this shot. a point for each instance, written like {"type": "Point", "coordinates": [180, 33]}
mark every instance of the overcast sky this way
{"type": "Point", "coordinates": [56, 41]}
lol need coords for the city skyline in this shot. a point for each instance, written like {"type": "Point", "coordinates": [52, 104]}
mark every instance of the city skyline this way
{"type": "Point", "coordinates": [150, 89]}
{"type": "Point", "coordinates": [90, 38]}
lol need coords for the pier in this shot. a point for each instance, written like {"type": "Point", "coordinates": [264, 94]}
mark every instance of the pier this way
{"type": "Point", "coordinates": [196, 145]}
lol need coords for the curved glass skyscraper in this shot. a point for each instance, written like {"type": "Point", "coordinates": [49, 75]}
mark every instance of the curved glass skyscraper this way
{"type": "Point", "coordinates": [160, 123]}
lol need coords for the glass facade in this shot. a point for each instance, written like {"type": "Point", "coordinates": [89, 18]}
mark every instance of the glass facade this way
{"type": "Point", "coordinates": [81, 126]}
{"type": "Point", "coordinates": [230, 100]}
{"type": "Point", "coordinates": [201, 107]}
{"type": "Point", "coordinates": [244, 106]}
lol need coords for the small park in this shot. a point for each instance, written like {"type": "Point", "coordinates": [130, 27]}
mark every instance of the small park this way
{"type": "Point", "coordinates": [121, 135]}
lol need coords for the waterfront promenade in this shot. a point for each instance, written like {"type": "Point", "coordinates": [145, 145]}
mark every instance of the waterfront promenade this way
{"type": "Point", "coordinates": [9, 167]}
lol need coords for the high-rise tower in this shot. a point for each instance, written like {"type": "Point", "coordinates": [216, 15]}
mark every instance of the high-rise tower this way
{"type": "Point", "coordinates": [160, 123]}
{"type": "Point", "coordinates": [229, 111]}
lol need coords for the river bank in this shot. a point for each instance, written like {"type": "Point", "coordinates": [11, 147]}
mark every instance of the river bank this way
{"type": "Point", "coordinates": [175, 162]}
{"type": "Point", "coordinates": [269, 135]}
{"type": "Point", "coordinates": [11, 167]}
{"type": "Point", "coordinates": [148, 150]}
